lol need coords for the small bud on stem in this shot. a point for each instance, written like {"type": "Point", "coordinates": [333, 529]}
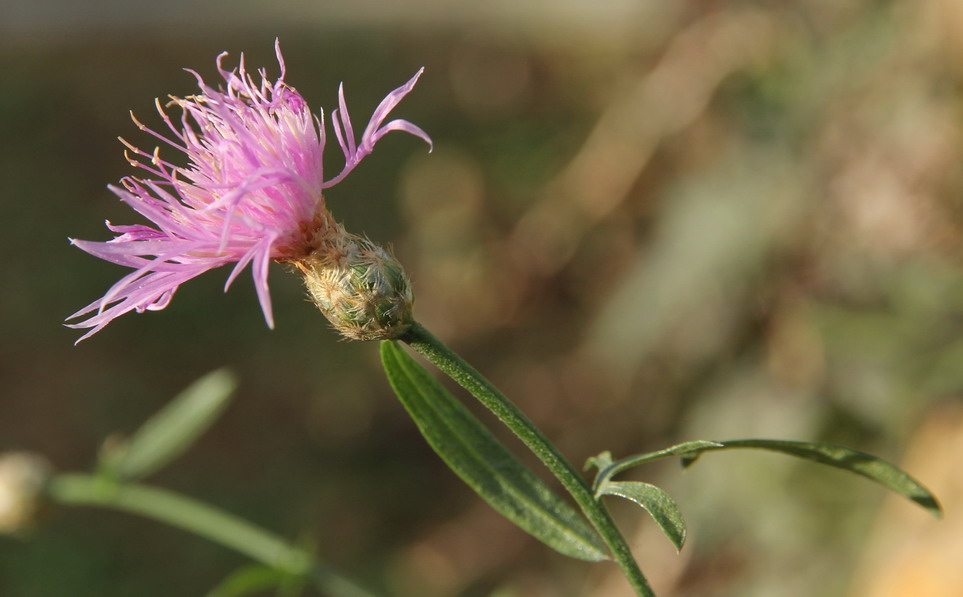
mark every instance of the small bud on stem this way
{"type": "Point", "coordinates": [22, 479]}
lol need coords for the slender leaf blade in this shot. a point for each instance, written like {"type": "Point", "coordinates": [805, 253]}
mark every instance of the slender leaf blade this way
{"type": "Point", "coordinates": [173, 429]}
{"type": "Point", "coordinates": [854, 461]}
{"type": "Point", "coordinates": [654, 500]}
{"type": "Point", "coordinates": [489, 468]}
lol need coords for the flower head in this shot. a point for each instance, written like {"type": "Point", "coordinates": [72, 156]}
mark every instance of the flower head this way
{"type": "Point", "coordinates": [251, 191]}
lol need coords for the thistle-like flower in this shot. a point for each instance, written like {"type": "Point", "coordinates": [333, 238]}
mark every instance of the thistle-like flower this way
{"type": "Point", "coordinates": [250, 193]}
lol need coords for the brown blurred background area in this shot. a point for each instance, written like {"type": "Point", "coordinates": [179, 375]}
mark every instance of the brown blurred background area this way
{"type": "Point", "coordinates": [647, 222]}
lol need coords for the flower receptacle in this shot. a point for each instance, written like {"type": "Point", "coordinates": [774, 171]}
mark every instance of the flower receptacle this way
{"type": "Point", "coordinates": [359, 287]}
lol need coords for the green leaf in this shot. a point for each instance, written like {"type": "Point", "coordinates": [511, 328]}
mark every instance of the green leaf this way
{"type": "Point", "coordinates": [173, 429]}
{"type": "Point", "coordinates": [489, 468]}
{"type": "Point", "coordinates": [861, 463]}
{"type": "Point", "coordinates": [255, 578]}
{"type": "Point", "coordinates": [656, 502]}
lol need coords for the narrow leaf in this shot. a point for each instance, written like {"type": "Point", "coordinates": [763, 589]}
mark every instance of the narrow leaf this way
{"type": "Point", "coordinates": [861, 463]}
{"type": "Point", "coordinates": [173, 429]}
{"type": "Point", "coordinates": [654, 500]}
{"type": "Point", "coordinates": [251, 579]}
{"type": "Point", "coordinates": [489, 468]}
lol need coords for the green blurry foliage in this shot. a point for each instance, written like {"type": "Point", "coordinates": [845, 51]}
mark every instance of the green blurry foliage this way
{"type": "Point", "coordinates": [170, 432]}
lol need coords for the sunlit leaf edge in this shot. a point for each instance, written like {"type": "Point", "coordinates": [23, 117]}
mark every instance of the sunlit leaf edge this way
{"type": "Point", "coordinates": [656, 502]}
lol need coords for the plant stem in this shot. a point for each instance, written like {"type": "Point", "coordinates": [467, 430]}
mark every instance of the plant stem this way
{"type": "Point", "coordinates": [202, 520]}
{"type": "Point", "coordinates": [423, 342]}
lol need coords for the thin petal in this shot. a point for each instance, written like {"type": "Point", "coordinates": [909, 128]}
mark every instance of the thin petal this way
{"type": "Point", "coordinates": [404, 126]}
{"type": "Point", "coordinates": [374, 131]}
{"type": "Point", "coordinates": [346, 121]}
{"type": "Point", "coordinates": [388, 104]}
{"type": "Point", "coordinates": [260, 271]}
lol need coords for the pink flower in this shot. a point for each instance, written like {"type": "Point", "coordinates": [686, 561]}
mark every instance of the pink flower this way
{"type": "Point", "coordinates": [251, 191]}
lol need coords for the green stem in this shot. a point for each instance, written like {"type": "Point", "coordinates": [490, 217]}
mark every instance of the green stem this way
{"type": "Point", "coordinates": [694, 447]}
{"type": "Point", "coordinates": [423, 342]}
{"type": "Point", "coordinates": [203, 520]}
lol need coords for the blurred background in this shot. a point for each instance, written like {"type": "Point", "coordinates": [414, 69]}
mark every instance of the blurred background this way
{"type": "Point", "coordinates": [647, 222]}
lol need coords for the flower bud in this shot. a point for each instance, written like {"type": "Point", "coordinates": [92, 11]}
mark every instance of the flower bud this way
{"type": "Point", "coordinates": [360, 287]}
{"type": "Point", "coordinates": [22, 478]}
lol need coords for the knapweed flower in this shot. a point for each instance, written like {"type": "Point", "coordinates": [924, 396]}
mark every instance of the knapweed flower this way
{"type": "Point", "coordinates": [251, 192]}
